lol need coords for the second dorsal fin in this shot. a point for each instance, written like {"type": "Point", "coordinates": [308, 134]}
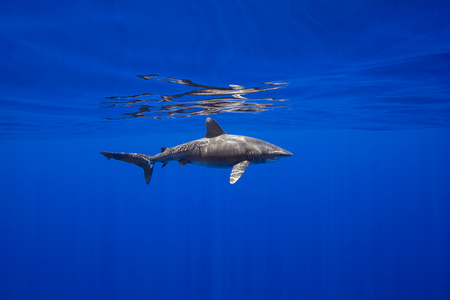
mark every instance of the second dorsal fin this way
{"type": "Point", "coordinates": [213, 129]}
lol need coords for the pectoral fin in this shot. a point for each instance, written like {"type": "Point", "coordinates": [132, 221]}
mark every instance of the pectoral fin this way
{"type": "Point", "coordinates": [238, 170]}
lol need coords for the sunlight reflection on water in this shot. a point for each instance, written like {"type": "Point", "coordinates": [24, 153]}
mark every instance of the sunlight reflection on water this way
{"type": "Point", "coordinates": [204, 100]}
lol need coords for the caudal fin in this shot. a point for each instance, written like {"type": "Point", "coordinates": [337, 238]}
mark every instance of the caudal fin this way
{"type": "Point", "coordinates": [141, 160]}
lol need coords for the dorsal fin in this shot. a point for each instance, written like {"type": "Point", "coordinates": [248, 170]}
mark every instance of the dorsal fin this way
{"type": "Point", "coordinates": [163, 149]}
{"type": "Point", "coordinates": [213, 129]}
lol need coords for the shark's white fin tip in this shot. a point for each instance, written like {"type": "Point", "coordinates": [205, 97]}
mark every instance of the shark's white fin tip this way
{"type": "Point", "coordinates": [238, 170]}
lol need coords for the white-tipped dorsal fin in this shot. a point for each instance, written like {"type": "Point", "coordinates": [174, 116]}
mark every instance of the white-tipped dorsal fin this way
{"type": "Point", "coordinates": [213, 129]}
{"type": "Point", "coordinates": [238, 170]}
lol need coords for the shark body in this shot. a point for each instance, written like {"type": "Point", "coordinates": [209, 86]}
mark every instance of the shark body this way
{"type": "Point", "coordinates": [216, 150]}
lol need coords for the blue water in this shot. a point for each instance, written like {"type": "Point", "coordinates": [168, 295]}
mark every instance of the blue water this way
{"type": "Point", "coordinates": [358, 91]}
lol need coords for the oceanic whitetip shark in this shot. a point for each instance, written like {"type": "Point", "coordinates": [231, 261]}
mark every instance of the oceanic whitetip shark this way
{"type": "Point", "coordinates": [216, 150]}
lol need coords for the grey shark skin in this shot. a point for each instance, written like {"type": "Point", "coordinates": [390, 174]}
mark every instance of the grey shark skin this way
{"type": "Point", "coordinates": [216, 150]}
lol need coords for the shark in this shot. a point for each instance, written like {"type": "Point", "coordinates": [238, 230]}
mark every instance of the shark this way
{"type": "Point", "coordinates": [216, 150]}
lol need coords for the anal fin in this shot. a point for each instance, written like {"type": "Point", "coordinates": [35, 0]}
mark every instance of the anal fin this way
{"type": "Point", "coordinates": [238, 170]}
{"type": "Point", "coordinates": [182, 162]}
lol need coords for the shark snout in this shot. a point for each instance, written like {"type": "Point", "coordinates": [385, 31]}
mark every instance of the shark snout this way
{"type": "Point", "coordinates": [282, 153]}
{"type": "Point", "coordinates": [286, 153]}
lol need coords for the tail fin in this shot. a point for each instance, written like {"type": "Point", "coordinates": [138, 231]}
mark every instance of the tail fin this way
{"type": "Point", "coordinates": [141, 160]}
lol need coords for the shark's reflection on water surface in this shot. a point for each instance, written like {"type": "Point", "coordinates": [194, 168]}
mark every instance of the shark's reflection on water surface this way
{"type": "Point", "coordinates": [204, 100]}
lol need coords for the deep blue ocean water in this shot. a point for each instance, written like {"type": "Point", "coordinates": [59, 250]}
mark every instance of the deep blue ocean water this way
{"type": "Point", "coordinates": [358, 91]}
